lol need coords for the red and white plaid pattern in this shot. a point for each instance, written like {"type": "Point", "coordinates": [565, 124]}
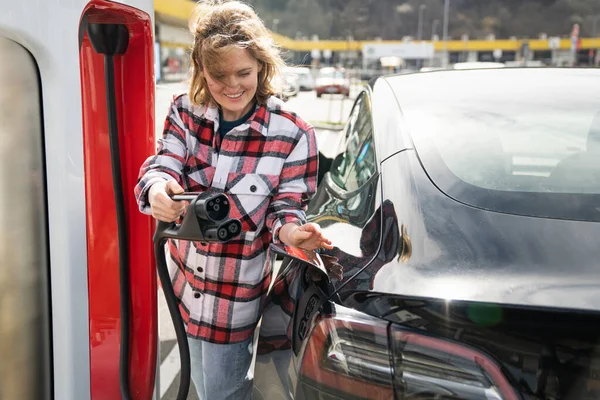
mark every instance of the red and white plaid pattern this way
{"type": "Point", "coordinates": [268, 169]}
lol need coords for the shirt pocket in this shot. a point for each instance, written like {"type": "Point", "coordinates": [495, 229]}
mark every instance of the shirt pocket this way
{"type": "Point", "coordinates": [197, 175]}
{"type": "Point", "coordinates": [250, 196]}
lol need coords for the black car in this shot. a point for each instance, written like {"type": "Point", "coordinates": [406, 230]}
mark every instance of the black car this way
{"type": "Point", "coordinates": [464, 208]}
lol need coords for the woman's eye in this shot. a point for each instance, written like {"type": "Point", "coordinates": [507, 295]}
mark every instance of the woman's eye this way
{"type": "Point", "coordinates": [245, 74]}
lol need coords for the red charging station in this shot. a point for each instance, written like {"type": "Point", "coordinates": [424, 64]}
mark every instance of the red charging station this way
{"type": "Point", "coordinates": [134, 89]}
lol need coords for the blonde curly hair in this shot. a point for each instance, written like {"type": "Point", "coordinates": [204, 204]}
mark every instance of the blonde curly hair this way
{"type": "Point", "coordinates": [217, 25]}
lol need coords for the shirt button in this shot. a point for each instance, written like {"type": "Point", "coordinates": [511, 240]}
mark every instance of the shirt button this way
{"type": "Point", "coordinates": [253, 188]}
{"type": "Point", "coordinates": [199, 269]}
{"type": "Point", "coordinates": [197, 295]}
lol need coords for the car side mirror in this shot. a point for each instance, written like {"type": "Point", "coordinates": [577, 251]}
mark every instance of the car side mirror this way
{"type": "Point", "coordinates": [324, 166]}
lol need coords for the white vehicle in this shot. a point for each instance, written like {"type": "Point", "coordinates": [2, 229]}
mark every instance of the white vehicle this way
{"type": "Point", "coordinates": [286, 87]}
{"type": "Point", "coordinates": [291, 83]}
{"type": "Point", "coordinates": [76, 122]}
{"type": "Point", "coordinates": [478, 65]}
{"type": "Point", "coordinates": [305, 78]}
{"type": "Point", "coordinates": [528, 63]}
{"type": "Point", "coordinates": [430, 69]}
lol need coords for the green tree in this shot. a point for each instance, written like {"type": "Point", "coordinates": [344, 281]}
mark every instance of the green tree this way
{"type": "Point", "coordinates": [367, 19]}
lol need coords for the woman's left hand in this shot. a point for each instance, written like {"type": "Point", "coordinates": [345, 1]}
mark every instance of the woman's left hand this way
{"type": "Point", "coordinates": [307, 236]}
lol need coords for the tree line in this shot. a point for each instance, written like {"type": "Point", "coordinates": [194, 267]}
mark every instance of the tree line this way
{"type": "Point", "coordinates": [396, 19]}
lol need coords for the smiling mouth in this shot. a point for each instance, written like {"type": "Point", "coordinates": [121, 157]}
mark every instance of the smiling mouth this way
{"type": "Point", "coordinates": [235, 96]}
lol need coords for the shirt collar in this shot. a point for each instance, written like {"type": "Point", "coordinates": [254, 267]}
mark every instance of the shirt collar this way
{"type": "Point", "coordinates": [259, 121]}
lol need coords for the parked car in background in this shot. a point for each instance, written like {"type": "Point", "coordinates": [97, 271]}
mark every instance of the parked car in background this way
{"type": "Point", "coordinates": [478, 65]}
{"type": "Point", "coordinates": [528, 63]}
{"type": "Point", "coordinates": [287, 87]}
{"type": "Point", "coordinates": [304, 77]}
{"type": "Point", "coordinates": [430, 69]}
{"type": "Point", "coordinates": [465, 261]}
{"type": "Point", "coordinates": [291, 84]}
{"type": "Point", "coordinates": [332, 80]}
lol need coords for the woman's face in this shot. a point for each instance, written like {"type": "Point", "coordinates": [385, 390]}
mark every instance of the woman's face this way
{"type": "Point", "coordinates": [234, 84]}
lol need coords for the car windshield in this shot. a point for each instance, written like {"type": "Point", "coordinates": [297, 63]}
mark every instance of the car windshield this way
{"type": "Point", "coordinates": [519, 132]}
{"type": "Point", "coordinates": [332, 74]}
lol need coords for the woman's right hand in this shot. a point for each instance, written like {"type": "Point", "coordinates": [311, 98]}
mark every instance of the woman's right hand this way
{"type": "Point", "coordinates": [163, 208]}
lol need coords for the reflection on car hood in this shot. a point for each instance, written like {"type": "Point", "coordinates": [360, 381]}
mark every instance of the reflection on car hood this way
{"type": "Point", "coordinates": [509, 288]}
{"type": "Point", "coordinates": [467, 253]}
{"type": "Point", "coordinates": [345, 237]}
{"type": "Point", "coordinates": [437, 247]}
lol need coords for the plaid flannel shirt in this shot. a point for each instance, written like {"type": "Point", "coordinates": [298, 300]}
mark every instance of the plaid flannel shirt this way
{"type": "Point", "coordinates": [268, 169]}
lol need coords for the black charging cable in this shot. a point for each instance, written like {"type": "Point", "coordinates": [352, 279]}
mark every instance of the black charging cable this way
{"type": "Point", "coordinates": [206, 220]}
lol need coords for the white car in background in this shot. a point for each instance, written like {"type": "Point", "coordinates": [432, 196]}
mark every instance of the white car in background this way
{"type": "Point", "coordinates": [286, 87]}
{"type": "Point", "coordinates": [478, 65]}
{"type": "Point", "coordinates": [430, 69]}
{"type": "Point", "coordinates": [304, 77]}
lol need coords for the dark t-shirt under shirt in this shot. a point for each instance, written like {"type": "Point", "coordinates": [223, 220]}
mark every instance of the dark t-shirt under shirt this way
{"type": "Point", "coordinates": [226, 126]}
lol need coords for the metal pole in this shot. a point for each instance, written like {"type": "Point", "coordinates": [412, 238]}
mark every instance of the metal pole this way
{"type": "Point", "coordinates": [329, 121]}
{"type": "Point", "coordinates": [594, 21]}
{"type": "Point", "coordinates": [446, 14]}
{"type": "Point", "coordinates": [434, 26]}
{"type": "Point", "coordinates": [594, 45]}
{"type": "Point", "coordinates": [420, 26]}
{"type": "Point", "coordinates": [341, 120]}
{"type": "Point", "coordinates": [420, 30]}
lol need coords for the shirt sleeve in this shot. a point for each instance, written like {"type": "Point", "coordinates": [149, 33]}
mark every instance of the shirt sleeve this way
{"type": "Point", "coordinates": [167, 163]}
{"type": "Point", "coordinates": [297, 185]}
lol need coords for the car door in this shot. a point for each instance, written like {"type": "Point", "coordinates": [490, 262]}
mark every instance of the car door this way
{"type": "Point", "coordinates": [301, 290]}
{"type": "Point", "coordinates": [348, 197]}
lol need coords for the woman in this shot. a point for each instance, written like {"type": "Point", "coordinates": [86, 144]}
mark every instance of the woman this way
{"type": "Point", "coordinates": [231, 134]}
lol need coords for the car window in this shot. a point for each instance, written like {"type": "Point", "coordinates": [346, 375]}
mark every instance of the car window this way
{"type": "Point", "coordinates": [358, 128]}
{"type": "Point", "coordinates": [353, 117]}
{"type": "Point", "coordinates": [533, 150]}
{"type": "Point", "coordinates": [364, 167]}
{"type": "Point", "coordinates": [540, 137]}
{"type": "Point", "coordinates": [332, 74]}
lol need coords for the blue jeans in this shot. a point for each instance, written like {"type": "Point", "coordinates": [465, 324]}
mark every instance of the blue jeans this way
{"type": "Point", "coordinates": [222, 371]}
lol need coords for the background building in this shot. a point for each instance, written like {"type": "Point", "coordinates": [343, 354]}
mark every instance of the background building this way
{"type": "Point", "coordinates": [174, 41]}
